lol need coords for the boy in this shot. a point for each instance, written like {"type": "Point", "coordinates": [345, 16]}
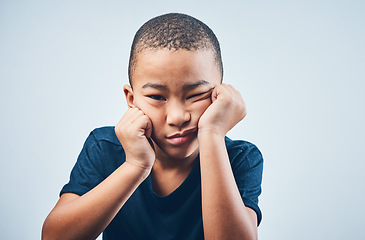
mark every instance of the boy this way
{"type": "Point", "coordinates": [166, 170]}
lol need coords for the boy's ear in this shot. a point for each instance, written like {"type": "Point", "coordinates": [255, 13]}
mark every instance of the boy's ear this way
{"type": "Point", "coordinates": [128, 92]}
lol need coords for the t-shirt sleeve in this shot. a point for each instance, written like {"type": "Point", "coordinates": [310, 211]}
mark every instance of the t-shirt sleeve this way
{"type": "Point", "coordinates": [247, 166]}
{"type": "Point", "coordinates": [86, 174]}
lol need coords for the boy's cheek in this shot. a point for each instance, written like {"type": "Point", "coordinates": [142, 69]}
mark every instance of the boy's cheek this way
{"type": "Point", "coordinates": [139, 104]}
{"type": "Point", "coordinates": [203, 107]}
{"type": "Point", "coordinates": [149, 111]}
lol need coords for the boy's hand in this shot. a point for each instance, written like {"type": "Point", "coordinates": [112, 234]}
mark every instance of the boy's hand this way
{"type": "Point", "coordinates": [226, 110]}
{"type": "Point", "coordinates": [133, 132]}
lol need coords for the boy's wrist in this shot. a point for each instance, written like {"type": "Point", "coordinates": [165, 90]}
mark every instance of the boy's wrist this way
{"type": "Point", "coordinates": [210, 134]}
{"type": "Point", "coordinates": [143, 171]}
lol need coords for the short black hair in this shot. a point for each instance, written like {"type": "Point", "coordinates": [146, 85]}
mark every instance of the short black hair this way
{"type": "Point", "coordinates": [174, 31]}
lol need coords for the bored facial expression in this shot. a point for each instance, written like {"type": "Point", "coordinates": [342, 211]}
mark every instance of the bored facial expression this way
{"type": "Point", "coordinates": [173, 88]}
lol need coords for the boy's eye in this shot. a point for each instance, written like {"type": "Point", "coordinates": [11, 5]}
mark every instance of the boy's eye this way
{"type": "Point", "coordinates": [201, 96]}
{"type": "Point", "coordinates": [157, 97]}
{"type": "Point", "coordinates": [195, 95]}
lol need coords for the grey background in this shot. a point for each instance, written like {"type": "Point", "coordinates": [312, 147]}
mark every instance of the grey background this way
{"type": "Point", "coordinates": [298, 64]}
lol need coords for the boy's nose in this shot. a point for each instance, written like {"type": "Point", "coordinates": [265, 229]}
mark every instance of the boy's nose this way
{"type": "Point", "coordinates": [177, 116]}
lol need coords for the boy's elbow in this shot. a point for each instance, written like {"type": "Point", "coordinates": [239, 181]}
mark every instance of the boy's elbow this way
{"type": "Point", "coordinates": [46, 231]}
{"type": "Point", "coordinates": [49, 230]}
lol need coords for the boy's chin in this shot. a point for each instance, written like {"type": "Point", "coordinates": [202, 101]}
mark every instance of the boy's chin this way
{"type": "Point", "coordinates": [183, 155]}
{"type": "Point", "coordinates": [182, 152]}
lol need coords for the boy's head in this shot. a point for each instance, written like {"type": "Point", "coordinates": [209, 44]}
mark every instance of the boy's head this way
{"type": "Point", "coordinates": [175, 64]}
{"type": "Point", "coordinates": [174, 31]}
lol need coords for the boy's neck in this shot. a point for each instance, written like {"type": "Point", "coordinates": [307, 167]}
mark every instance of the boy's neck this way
{"type": "Point", "coordinates": [167, 163]}
{"type": "Point", "coordinates": [169, 173]}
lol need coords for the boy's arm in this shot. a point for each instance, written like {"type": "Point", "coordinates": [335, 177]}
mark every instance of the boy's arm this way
{"type": "Point", "coordinates": [224, 214]}
{"type": "Point", "coordinates": [85, 217]}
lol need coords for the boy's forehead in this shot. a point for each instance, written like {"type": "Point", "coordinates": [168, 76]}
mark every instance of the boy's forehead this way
{"type": "Point", "coordinates": [195, 67]}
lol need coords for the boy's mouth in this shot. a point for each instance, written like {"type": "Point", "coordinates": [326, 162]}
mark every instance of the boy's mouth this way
{"type": "Point", "coordinates": [182, 137]}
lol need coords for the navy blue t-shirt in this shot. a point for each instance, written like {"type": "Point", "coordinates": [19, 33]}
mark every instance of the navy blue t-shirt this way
{"type": "Point", "coordinates": [146, 215]}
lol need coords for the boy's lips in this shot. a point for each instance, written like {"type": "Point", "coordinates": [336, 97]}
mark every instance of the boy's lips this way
{"type": "Point", "coordinates": [182, 137]}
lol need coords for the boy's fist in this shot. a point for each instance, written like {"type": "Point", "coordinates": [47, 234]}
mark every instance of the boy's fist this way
{"type": "Point", "coordinates": [133, 132]}
{"type": "Point", "coordinates": [226, 110]}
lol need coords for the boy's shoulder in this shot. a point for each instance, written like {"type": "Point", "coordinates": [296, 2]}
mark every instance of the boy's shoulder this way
{"type": "Point", "coordinates": [239, 145]}
{"type": "Point", "coordinates": [243, 149]}
{"type": "Point", "coordinates": [106, 134]}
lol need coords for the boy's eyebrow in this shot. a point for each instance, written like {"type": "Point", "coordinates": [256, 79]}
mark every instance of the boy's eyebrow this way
{"type": "Point", "coordinates": [195, 85]}
{"type": "Point", "coordinates": [185, 87]}
{"type": "Point", "coordinates": [156, 86]}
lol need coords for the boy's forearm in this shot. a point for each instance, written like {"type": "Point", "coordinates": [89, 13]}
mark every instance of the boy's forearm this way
{"type": "Point", "coordinates": [87, 216]}
{"type": "Point", "coordinates": [224, 213]}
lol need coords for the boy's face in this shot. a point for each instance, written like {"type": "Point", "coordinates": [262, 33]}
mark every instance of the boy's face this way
{"type": "Point", "coordinates": [173, 88]}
